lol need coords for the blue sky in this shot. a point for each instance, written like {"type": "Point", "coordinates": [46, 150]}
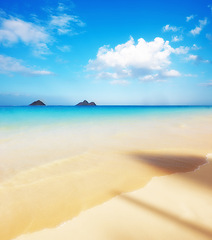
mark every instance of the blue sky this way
{"type": "Point", "coordinates": [110, 52]}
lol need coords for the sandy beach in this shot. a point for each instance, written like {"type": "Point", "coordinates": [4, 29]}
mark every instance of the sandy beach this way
{"type": "Point", "coordinates": [170, 207]}
{"type": "Point", "coordinates": [141, 178]}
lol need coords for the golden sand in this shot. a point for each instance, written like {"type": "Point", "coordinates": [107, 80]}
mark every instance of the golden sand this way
{"type": "Point", "coordinates": [170, 207]}
{"type": "Point", "coordinates": [47, 195]}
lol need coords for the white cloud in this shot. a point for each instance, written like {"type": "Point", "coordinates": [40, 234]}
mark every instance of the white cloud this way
{"type": "Point", "coordinates": [181, 50]}
{"type": "Point", "coordinates": [192, 57]}
{"type": "Point", "coordinates": [168, 28]}
{"type": "Point", "coordinates": [145, 60]}
{"type": "Point", "coordinates": [9, 65]}
{"type": "Point", "coordinates": [197, 59]}
{"type": "Point", "coordinates": [177, 38]}
{"type": "Point", "coordinates": [63, 23]}
{"type": "Point", "coordinates": [40, 72]}
{"type": "Point", "coordinates": [158, 77]}
{"type": "Point", "coordinates": [189, 18]}
{"type": "Point", "coordinates": [15, 30]}
{"type": "Point", "coordinates": [203, 22]}
{"type": "Point", "coordinates": [171, 73]}
{"type": "Point", "coordinates": [148, 55]}
{"type": "Point", "coordinates": [199, 28]}
{"type": "Point", "coordinates": [196, 31]}
{"type": "Point", "coordinates": [195, 47]}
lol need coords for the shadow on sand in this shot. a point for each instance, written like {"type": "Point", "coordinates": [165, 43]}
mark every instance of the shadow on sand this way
{"type": "Point", "coordinates": [164, 214]}
{"type": "Point", "coordinates": [174, 164]}
{"type": "Point", "coordinates": [169, 164]}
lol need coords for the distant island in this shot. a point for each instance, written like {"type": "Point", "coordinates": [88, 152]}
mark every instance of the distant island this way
{"type": "Point", "coordinates": [86, 103]}
{"type": "Point", "coordinates": [37, 103]}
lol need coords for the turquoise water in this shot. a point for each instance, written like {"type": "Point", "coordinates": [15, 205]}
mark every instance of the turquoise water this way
{"type": "Point", "coordinates": [34, 116]}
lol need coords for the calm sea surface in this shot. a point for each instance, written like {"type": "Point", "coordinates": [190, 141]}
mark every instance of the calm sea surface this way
{"type": "Point", "coordinates": [34, 116]}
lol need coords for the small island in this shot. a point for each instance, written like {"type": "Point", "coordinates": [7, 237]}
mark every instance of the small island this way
{"type": "Point", "coordinates": [86, 103]}
{"type": "Point", "coordinates": [37, 103]}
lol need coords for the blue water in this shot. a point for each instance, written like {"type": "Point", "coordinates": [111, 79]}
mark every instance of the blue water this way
{"type": "Point", "coordinates": [28, 116]}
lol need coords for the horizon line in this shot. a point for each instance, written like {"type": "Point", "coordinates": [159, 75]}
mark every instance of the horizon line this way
{"type": "Point", "coordinates": [118, 105]}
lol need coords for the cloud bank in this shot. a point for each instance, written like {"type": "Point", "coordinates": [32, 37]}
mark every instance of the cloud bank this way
{"type": "Point", "coordinates": [14, 30]}
{"type": "Point", "coordinates": [39, 36]}
{"type": "Point", "coordinates": [63, 23]}
{"type": "Point", "coordinates": [9, 65]}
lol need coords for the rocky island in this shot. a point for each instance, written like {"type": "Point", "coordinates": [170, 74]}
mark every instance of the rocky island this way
{"type": "Point", "coordinates": [37, 103]}
{"type": "Point", "coordinates": [86, 103]}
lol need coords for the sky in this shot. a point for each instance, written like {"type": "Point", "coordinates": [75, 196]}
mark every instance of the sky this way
{"type": "Point", "coordinates": [112, 52]}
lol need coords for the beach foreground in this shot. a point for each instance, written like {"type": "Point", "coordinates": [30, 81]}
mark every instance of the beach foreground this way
{"type": "Point", "coordinates": [68, 167]}
{"type": "Point", "coordinates": [170, 207]}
